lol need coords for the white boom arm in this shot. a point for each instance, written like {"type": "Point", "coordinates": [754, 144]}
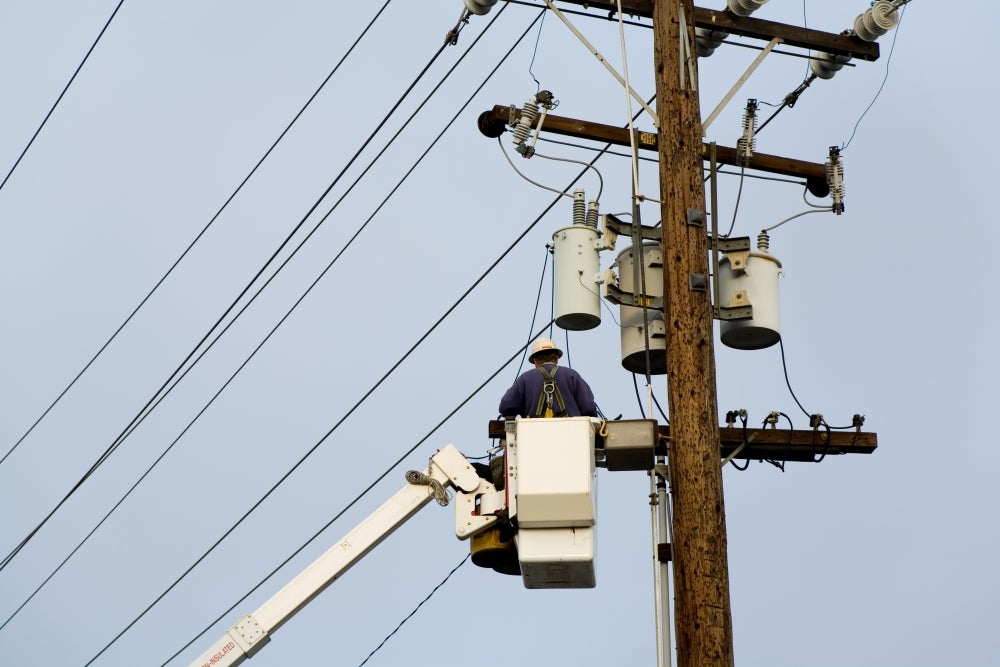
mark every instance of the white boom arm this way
{"type": "Point", "coordinates": [447, 468]}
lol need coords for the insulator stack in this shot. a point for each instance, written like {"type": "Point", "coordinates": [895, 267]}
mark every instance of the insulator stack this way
{"type": "Point", "coordinates": [528, 115]}
{"type": "Point", "coordinates": [877, 20]}
{"type": "Point", "coordinates": [707, 41]}
{"type": "Point", "coordinates": [593, 214]}
{"type": "Point", "coordinates": [744, 8]}
{"type": "Point", "coordinates": [835, 179]}
{"type": "Point", "coordinates": [825, 65]}
{"type": "Point", "coordinates": [479, 7]}
{"type": "Point", "coordinates": [746, 144]}
{"type": "Point", "coordinates": [579, 208]}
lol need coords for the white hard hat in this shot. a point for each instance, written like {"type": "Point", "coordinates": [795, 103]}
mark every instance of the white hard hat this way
{"type": "Point", "coordinates": [544, 345]}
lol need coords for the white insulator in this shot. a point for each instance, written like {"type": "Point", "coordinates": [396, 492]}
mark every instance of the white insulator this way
{"type": "Point", "coordinates": [875, 21]}
{"type": "Point", "coordinates": [744, 7]}
{"type": "Point", "coordinates": [746, 144]}
{"type": "Point", "coordinates": [825, 65]}
{"type": "Point", "coordinates": [593, 213]}
{"type": "Point", "coordinates": [579, 208]}
{"type": "Point", "coordinates": [744, 150]}
{"type": "Point", "coordinates": [835, 180]}
{"type": "Point", "coordinates": [528, 115]}
{"type": "Point", "coordinates": [479, 7]}
{"type": "Point", "coordinates": [707, 41]}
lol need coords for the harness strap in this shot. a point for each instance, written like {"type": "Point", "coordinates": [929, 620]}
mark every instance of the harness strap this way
{"type": "Point", "coordinates": [550, 391]}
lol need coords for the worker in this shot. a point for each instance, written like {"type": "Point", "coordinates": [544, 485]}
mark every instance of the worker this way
{"type": "Point", "coordinates": [548, 390]}
{"type": "Point", "coordinates": [543, 391]}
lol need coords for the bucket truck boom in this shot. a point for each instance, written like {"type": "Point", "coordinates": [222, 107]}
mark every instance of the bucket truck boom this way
{"type": "Point", "coordinates": [447, 468]}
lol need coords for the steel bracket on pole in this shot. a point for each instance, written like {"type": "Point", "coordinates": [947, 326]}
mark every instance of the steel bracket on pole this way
{"type": "Point", "coordinates": [695, 218]}
{"type": "Point", "coordinates": [728, 245]}
{"type": "Point", "coordinates": [622, 298]}
{"type": "Point", "coordinates": [735, 312]}
{"type": "Point", "coordinates": [613, 228]}
{"type": "Point", "coordinates": [739, 244]}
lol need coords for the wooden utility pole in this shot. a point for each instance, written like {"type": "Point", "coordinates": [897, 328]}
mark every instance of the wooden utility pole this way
{"type": "Point", "coordinates": [702, 612]}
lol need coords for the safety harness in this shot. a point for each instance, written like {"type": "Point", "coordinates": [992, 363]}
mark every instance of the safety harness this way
{"type": "Point", "coordinates": [550, 392]}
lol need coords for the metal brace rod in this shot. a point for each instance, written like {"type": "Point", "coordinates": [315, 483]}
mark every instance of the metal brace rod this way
{"type": "Point", "coordinates": [739, 83]}
{"type": "Point", "coordinates": [597, 54]}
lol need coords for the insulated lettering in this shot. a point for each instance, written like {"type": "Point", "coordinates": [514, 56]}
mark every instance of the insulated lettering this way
{"type": "Point", "coordinates": [221, 654]}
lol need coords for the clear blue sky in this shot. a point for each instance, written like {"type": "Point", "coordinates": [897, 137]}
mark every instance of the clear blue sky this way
{"type": "Point", "coordinates": [884, 560]}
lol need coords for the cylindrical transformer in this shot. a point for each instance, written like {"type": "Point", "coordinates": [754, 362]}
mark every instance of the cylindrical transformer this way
{"type": "Point", "coordinates": [576, 267]}
{"type": "Point", "coordinates": [638, 327]}
{"type": "Point", "coordinates": [750, 279]}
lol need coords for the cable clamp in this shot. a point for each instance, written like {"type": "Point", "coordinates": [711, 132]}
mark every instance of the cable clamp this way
{"type": "Point", "coordinates": [857, 422]}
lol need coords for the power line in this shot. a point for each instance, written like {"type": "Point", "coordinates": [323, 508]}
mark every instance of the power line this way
{"type": "Point", "coordinates": [130, 427]}
{"type": "Point", "coordinates": [287, 314]}
{"type": "Point", "coordinates": [885, 78]}
{"type": "Point", "coordinates": [415, 609]}
{"type": "Point", "coordinates": [332, 429]}
{"type": "Point", "coordinates": [515, 244]}
{"type": "Point", "coordinates": [411, 450]}
{"type": "Point", "coordinates": [65, 88]}
{"type": "Point", "coordinates": [330, 432]}
{"type": "Point", "coordinates": [197, 238]}
{"type": "Point", "coordinates": [359, 497]}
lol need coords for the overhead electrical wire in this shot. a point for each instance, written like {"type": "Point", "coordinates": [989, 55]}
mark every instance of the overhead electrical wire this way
{"type": "Point", "coordinates": [885, 78]}
{"type": "Point", "coordinates": [655, 160]}
{"type": "Point", "coordinates": [415, 610]}
{"type": "Point", "coordinates": [534, 311]}
{"type": "Point", "coordinates": [472, 287]}
{"type": "Point", "coordinates": [470, 397]}
{"type": "Point", "coordinates": [797, 215]}
{"type": "Point", "coordinates": [638, 398]}
{"type": "Point", "coordinates": [812, 416]}
{"type": "Point", "coordinates": [742, 414]}
{"type": "Point", "coordinates": [543, 186]}
{"type": "Point", "coordinates": [534, 52]}
{"type": "Point", "coordinates": [358, 497]}
{"type": "Point", "coordinates": [517, 240]}
{"type": "Point", "coordinates": [294, 306]}
{"type": "Point", "coordinates": [337, 425]}
{"type": "Point", "coordinates": [59, 99]}
{"type": "Point", "coordinates": [508, 250]}
{"type": "Point", "coordinates": [199, 236]}
{"type": "Point", "coordinates": [411, 450]}
{"type": "Point", "coordinates": [736, 206]}
{"type": "Point", "coordinates": [636, 199]}
{"type": "Point", "coordinates": [141, 415]}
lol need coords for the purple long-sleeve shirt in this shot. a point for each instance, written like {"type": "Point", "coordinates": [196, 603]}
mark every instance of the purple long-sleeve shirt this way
{"type": "Point", "coordinates": [522, 398]}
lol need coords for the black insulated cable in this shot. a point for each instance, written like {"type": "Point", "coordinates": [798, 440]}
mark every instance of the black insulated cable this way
{"type": "Point", "coordinates": [128, 429]}
{"type": "Point", "coordinates": [196, 238]}
{"type": "Point", "coordinates": [275, 328]}
{"type": "Point", "coordinates": [59, 99]}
